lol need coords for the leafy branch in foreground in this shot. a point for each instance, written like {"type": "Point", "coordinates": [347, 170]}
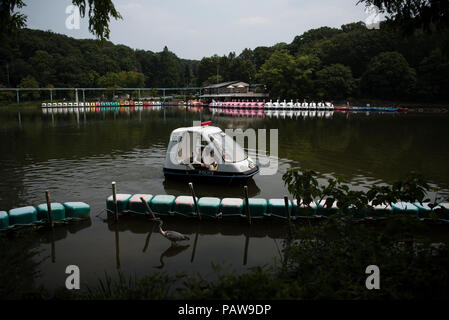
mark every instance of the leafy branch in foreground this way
{"type": "Point", "coordinates": [11, 20]}
{"type": "Point", "coordinates": [412, 188]}
{"type": "Point", "coordinates": [414, 14]}
{"type": "Point", "coordinates": [100, 12]}
{"type": "Point", "coordinates": [305, 188]}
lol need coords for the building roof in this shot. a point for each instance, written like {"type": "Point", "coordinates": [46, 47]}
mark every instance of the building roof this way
{"type": "Point", "coordinates": [235, 95]}
{"type": "Point", "coordinates": [220, 85]}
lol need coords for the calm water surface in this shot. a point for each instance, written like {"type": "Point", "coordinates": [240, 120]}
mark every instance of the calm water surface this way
{"type": "Point", "coordinates": [76, 155]}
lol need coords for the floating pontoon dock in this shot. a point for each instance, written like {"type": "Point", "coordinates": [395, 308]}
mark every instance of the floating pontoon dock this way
{"type": "Point", "coordinates": [29, 215]}
{"type": "Point", "coordinates": [259, 208]}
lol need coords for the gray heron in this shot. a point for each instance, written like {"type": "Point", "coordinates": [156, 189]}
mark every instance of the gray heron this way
{"type": "Point", "coordinates": [173, 236]}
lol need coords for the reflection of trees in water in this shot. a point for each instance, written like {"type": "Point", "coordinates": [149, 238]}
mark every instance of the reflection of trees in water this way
{"type": "Point", "coordinates": [20, 259]}
{"type": "Point", "coordinates": [19, 267]}
{"type": "Point", "coordinates": [12, 160]}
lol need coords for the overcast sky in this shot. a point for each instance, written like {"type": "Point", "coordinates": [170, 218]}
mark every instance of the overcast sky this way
{"type": "Point", "coordinates": [196, 28]}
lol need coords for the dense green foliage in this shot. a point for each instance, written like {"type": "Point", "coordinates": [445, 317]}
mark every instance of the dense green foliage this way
{"type": "Point", "coordinates": [388, 75]}
{"type": "Point", "coordinates": [59, 61]}
{"type": "Point", "coordinates": [325, 63]}
{"type": "Point", "coordinates": [123, 79]}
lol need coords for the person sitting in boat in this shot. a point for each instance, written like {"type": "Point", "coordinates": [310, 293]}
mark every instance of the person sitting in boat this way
{"type": "Point", "coordinates": [206, 162]}
{"type": "Point", "coordinates": [208, 159]}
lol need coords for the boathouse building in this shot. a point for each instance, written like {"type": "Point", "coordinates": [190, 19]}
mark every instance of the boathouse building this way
{"type": "Point", "coordinates": [233, 90]}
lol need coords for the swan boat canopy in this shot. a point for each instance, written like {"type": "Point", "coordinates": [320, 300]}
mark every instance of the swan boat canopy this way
{"type": "Point", "coordinates": [206, 152]}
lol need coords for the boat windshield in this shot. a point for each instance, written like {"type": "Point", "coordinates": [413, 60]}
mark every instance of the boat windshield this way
{"type": "Point", "coordinates": [230, 149]}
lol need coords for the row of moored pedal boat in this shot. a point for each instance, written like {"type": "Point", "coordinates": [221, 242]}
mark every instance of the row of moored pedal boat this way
{"type": "Point", "coordinates": [273, 105]}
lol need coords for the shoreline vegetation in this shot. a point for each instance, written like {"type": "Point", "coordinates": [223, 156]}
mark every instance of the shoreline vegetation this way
{"type": "Point", "coordinates": [351, 63]}
{"type": "Point", "coordinates": [325, 259]}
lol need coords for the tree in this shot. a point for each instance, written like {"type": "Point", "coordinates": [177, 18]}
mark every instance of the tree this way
{"type": "Point", "coordinates": [433, 79]}
{"type": "Point", "coordinates": [355, 47]}
{"type": "Point", "coordinates": [67, 62]}
{"type": "Point", "coordinates": [93, 77]}
{"type": "Point", "coordinates": [212, 80]}
{"type": "Point", "coordinates": [207, 68]}
{"type": "Point", "coordinates": [306, 67]}
{"type": "Point", "coordinates": [353, 26]}
{"type": "Point", "coordinates": [312, 36]}
{"type": "Point", "coordinates": [241, 69]}
{"type": "Point", "coordinates": [100, 12]}
{"type": "Point", "coordinates": [109, 80]}
{"type": "Point", "coordinates": [260, 55]}
{"type": "Point", "coordinates": [428, 15]}
{"type": "Point", "coordinates": [388, 77]}
{"type": "Point", "coordinates": [6, 95]}
{"type": "Point", "coordinates": [335, 82]}
{"type": "Point", "coordinates": [278, 73]}
{"type": "Point", "coordinates": [168, 69]}
{"type": "Point", "coordinates": [10, 20]}
{"type": "Point", "coordinates": [42, 63]}
{"type": "Point", "coordinates": [30, 82]}
{"type": "Point", "coordinates": [123, 79]}
{"type": "Point", "coordinates": [132, 79]}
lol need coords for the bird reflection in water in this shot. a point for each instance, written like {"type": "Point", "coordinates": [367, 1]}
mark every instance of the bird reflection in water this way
{"type": "Point", "coordinates": [172, 251]}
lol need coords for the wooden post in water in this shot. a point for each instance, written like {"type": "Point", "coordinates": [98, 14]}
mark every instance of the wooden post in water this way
{"type": "Point", "coordinates": [194, 200]}
{"type": "Point", "coordinates": [194, 246]}
{"type": "Point", "coordinates": [114, 197]}
{"type": "Point", "coordinates": [287, 208]}
{"type": "Point", "coordinates": [147, 242]}
{"type": "Point", "coordinates": [117, 246]}
{"type": "Point", "coordinates": [245, 255]}
{"type": "Point", "coordinates": [53, 247]}
{"type": "Point", "coordinates": [148, 208]}
{"type": "Point", "coordinates": [50, 215]}
{"type": "Point", "coordinates": [248, 213]}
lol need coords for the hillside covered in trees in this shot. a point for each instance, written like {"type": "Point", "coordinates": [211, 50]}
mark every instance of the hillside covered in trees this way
{"type": "Point", "coordinates": [324, 63]}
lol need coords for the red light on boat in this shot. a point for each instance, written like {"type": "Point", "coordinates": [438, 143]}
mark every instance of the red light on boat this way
{"type": "Point", "coordinates": [207, 123]}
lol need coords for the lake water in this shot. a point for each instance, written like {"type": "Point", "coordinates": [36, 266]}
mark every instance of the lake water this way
{"type": "Point", "coordinates": [76, 156]}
